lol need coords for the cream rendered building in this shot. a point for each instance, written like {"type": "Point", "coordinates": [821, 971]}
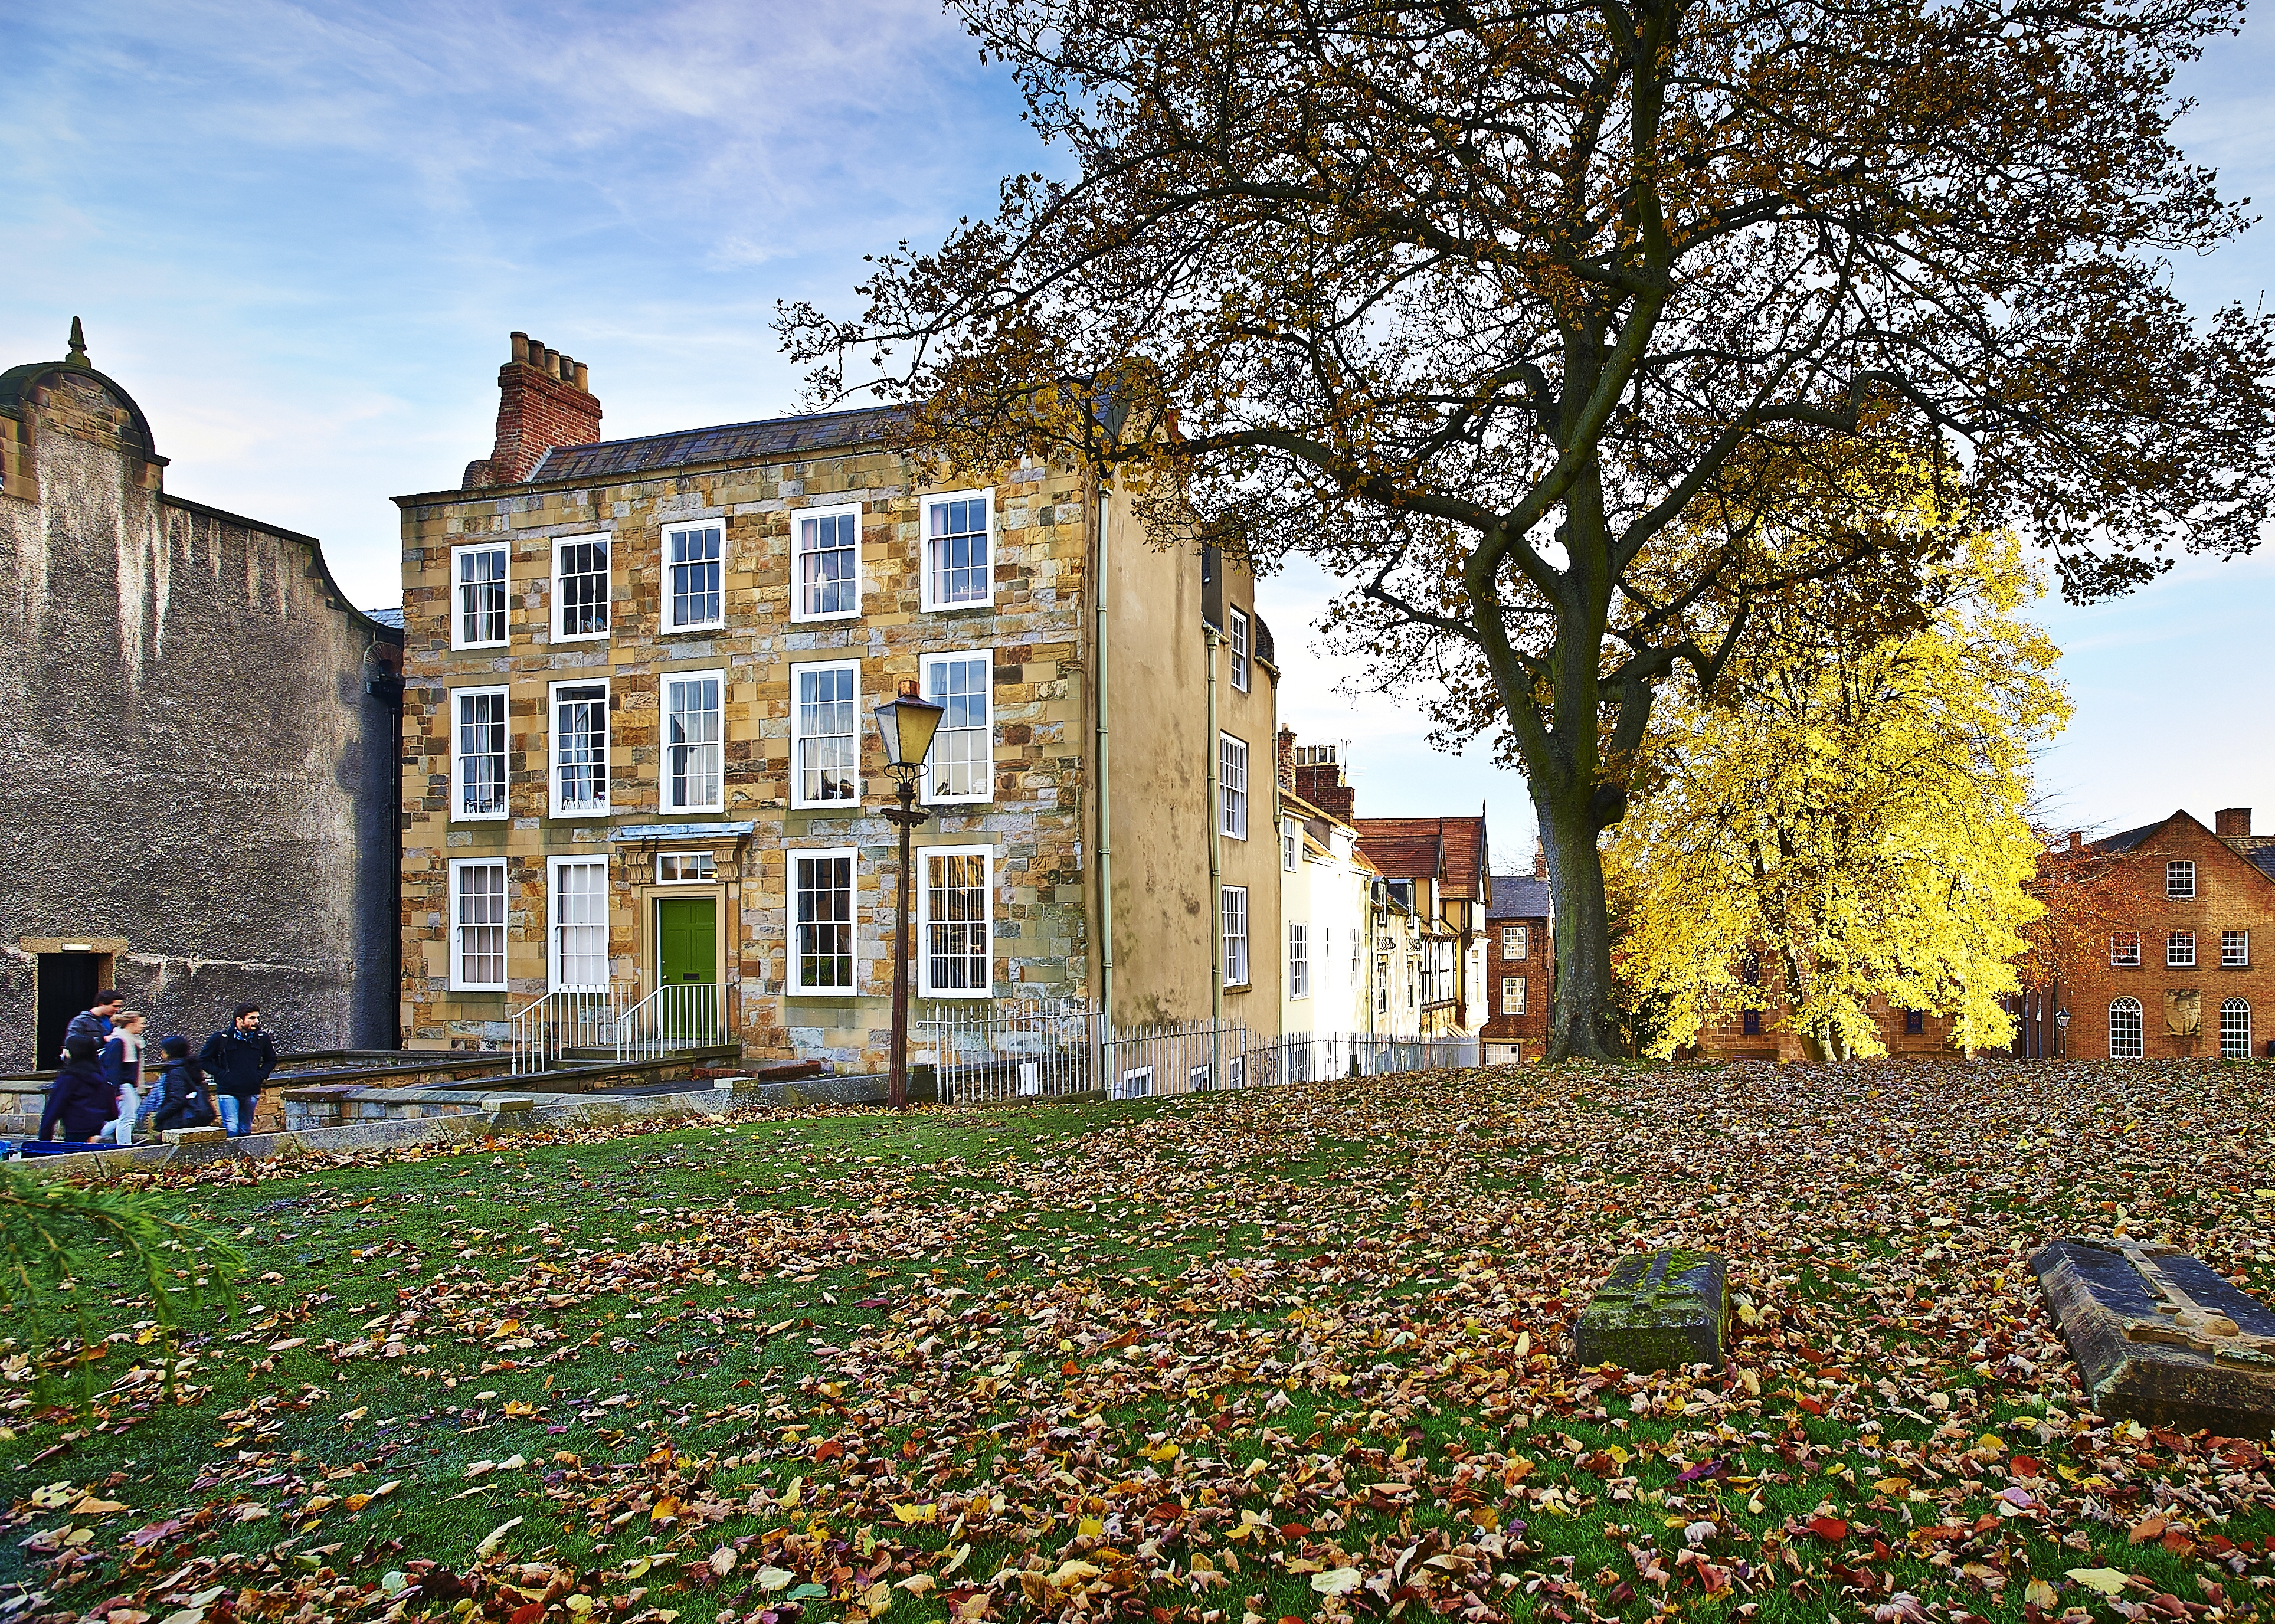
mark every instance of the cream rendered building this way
{"type": "Point", "coordinates": [638, 749]}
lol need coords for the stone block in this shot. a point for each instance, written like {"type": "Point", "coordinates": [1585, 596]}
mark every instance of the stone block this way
{"type": "Point", "coordinates": [195, 1136]}
{"type": "Point", "coordinates": [2160, 1337]}
{"type": "Point", "coordinates": [1658, 1310]}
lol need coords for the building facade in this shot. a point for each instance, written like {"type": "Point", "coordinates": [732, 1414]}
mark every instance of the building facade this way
{"type": "Point", "coordinates": [1436, 871]}
{"type": "Point", "coordinates": [640, 752]}
{"type": "Point", "coordinates": [200, 765]}
{"type": "Point", "coordinates": [1329, 899]}
{"type": "Point", "coordinates": [2189, 979]}
{"type": "Point", "coordinates": [1520, 967]}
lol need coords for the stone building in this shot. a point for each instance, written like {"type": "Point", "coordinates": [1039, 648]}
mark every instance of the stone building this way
{"type": "Point", "coordinates": [640, 751]}
{"type": "Point", "coordinates": [2191, 976]}
{"type": "Point", "coordinates": [200, 776]}
{"type": "Point", "coordinates": [1520, 965]}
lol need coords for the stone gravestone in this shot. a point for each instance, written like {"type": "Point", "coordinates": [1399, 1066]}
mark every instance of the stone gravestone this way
{"type": "Point", "coordinates": [1657, 1310]}
{"type": "Point", "coordinates": [2160, 1338]}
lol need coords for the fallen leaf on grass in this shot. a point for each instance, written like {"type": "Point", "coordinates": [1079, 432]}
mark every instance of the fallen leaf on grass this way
{"type": "Point", "coordinates": [2107, 1581]}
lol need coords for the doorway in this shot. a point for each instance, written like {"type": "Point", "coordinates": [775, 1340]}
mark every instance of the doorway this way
{"type": "Point", "coordinates": [687, 955]}
{"type": "Point", "coordinates": [68, 983]}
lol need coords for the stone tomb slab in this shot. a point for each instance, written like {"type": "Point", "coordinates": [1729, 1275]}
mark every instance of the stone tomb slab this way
{"type": "Point", "coordinates": [1658, 1312]}
{"type": "Point", "coordinates": [2161, 1338]}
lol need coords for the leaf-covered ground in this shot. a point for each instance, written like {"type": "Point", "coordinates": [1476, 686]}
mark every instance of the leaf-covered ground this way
{"type": "Point", "coordinates": [1300, 1352]}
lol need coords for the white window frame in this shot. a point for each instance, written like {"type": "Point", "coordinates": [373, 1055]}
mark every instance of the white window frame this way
{"type": "Point", "coordinates": [553, 634]}
{"type": "Point", "coordinates": [2180, 878]}
{"type": "Point", "coordinates": [2124, 954]}
{"type": "Point", "coordinates": [793, 982]}
{"type": "Point", "coordinates": [1299, 959]}
{"type": "Point", "coordinates": [2234, 1029]}
{"type": "Point", "coordinates": [1354, 960]}
{"type": "Point", "coordinates": [2179, 942]}
{"type": "Point", "coordinates": [1516, 942]}
{"type": "Point", "coordinates": [1291, 843]}
{"type": "Point", "coordinates": [797, 519]}
{"type": "Point", "coordinates": [920, 881]}
{"type": "Point", "coordinates": [459, 982]}
{"type": "Point", "coordinates": [2235, 949]}
{"type": "Point", "coordinates": [798, 737]}
{"type": "Point", "coordinates": [1227, 938]}
{"type": "Point", "coordinates": [1232, 801]}
{"type": "Point", "coordinates": [930, 603]}
{"type": "Point", "coordinates": [664, 746]}
{"type": "Point", "coordinates": [667, 611]}
{"type": "Point", "coordinates": [1512, 1004]}
{"type": "Point", "coordinates": [2133, 1045]}
{"type": "Point", "coordinates": [709, 876]}
{"type": "Point", "coordinates": [1237, 624]}
{"type": "Point", "coordinates": [458, 601]}
{"type": "Point", "coordinates": [458, 812]}
{"type": "Point", "coordinates": [927, 665]}
{"type": "Point", "coordinates": [553, 765]}
{"type": "Point", "coordinates": [554, 981]}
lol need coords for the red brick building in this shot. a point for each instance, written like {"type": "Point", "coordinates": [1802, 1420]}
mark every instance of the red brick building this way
{"type": "Point", "coordinates": [1439, 869]}
{"type": "Point", "coordinates": [2194, 977]}
{"type": "Point", "coordinates": [1520, 967]}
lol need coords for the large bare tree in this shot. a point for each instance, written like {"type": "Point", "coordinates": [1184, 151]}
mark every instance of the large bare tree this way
{"type": "Point", "coordinates": [1565, 332]}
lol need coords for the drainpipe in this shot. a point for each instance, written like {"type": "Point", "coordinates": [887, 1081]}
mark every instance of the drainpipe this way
{"type": "Point", "coordinates": [1216, 866]}
{"type": "Point", "coordinates": [1105, 794]}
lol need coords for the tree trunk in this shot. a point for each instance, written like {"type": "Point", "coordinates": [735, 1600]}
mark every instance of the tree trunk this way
{"type": "Point", "coordinates": [1578, 1026]}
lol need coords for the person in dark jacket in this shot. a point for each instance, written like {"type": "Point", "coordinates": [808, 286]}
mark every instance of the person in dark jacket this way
{"type": "Point", "coordinates": [239, 1060]}
{"type": "Point", "coordinates": [93, 1022]}
{"type": "Point", "coordinates": [182, 1099]}
{"type": "Point", "coordinates": [79, 1101]}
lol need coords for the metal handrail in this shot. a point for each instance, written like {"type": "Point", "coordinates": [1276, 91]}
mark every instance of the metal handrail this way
{"type": "Point", "coordinates": [679, 1014]}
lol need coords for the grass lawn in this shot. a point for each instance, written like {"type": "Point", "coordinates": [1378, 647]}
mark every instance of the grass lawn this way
{"type": "Point", "coordinates": [1294, 1352]}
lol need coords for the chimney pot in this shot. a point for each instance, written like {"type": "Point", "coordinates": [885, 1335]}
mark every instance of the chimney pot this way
{"type": "Point", "coordinates": [2232, 821]}
{"type": "Point", "coordinates": [539, 409]}
{"type": "Point", "coordinates": [2077, 839]}
{"type": "Point", "coordinates": [582, 377]}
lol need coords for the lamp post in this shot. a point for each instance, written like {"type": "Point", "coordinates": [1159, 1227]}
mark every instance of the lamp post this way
{"type": "Point", "coordinates": [2061, 1034]}
{"type": "Point", "coordinates": [906, 723]}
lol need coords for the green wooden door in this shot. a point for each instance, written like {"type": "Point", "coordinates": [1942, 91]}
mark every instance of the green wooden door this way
{"type": "Point", "coordinates": [686, 946]}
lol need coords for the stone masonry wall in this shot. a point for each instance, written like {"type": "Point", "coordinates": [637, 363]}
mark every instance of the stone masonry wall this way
{"type": "Point", "coordinates": [198, 777]}
{"type": "Point", "coordinates": [1033, 824]}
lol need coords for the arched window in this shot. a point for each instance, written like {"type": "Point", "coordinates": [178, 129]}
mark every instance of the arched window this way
{"type": "Point", "coordinates": [2125, 1029]}
{"type": "Point", "coordinates": [2235, 1029]}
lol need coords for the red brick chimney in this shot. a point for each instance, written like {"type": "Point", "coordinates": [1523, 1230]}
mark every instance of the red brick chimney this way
{"type": "Point", "coordinates": [2077, 839]}
{"type": "Point", "coordinates": [2231, 822]}
{"type": "Point", "coordinates": [542, 403]}
{"type": "Point", "coordinates": [1287, 757]}
{"type": "Point", "coordinates": [1539, 860]}
{"type": "Point", "coordinates": [1319, 777]}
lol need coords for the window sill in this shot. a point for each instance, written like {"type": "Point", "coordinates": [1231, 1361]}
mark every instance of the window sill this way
{"type": "Point", "coordinates": [689, 631]}
{"type": "Point", "coordinates": [955, 996]}
{"type": "Point", "coordinates": [839, 618]}
{"type": "Point", "coordinates": [844, 994]}
{"type": "Point", "coordinates": [578, 636]}
{"type": "Point", "coordinates": [478, 648]}
{"type": "Point", "coordinates": [560, 816]}
{"type": "Point", "coordinates": [495, 817]}
{"type": "Point", "coordinates": [478, 992]}
{"type": "Point", "coordinates": [957, 608]}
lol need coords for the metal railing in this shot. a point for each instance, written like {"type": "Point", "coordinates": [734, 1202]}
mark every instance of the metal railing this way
{"type": "Point", "coordinates": [1001, 1051]}
{"type": "Point", "coordinates": [616, 1021]}
{"type": "Point", "coordinates": [1006, 1050]}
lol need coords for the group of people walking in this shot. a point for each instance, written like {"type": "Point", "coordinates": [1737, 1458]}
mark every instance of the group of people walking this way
{"type": "Point", "coordinates": [100, 1091]}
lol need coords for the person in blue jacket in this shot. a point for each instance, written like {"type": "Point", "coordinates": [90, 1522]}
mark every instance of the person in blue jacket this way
{"type": "Point", "coordinates": [236, 1060]}
{"type": "Point", "coordinates": [81, 1100]}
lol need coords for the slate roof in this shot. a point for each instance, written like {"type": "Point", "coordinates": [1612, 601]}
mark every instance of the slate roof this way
{"type": "Point", "coordinates": [2130, 838]}
{"type": "Point", "coordinates": [387, 618]}
{"type": "Point", "coordinates": [2262, 858]}
{"type": "Point", "coordinates": [1450, 851]}
{"type": "Point", "coordinates": [1519, 896]}
{"type": "Point", "coordinates": [767, 440]}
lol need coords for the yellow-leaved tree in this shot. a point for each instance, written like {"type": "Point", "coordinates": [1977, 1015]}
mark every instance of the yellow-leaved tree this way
{"type": "Point", "coordinates": [1845, 817]}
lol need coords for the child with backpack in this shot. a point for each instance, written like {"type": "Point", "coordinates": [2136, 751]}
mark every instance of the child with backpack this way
{"type": "Point", "coordinates": [184, 1100]}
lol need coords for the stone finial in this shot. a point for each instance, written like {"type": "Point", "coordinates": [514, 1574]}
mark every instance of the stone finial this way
{"type": "Point", "coordinates": [78, 356]}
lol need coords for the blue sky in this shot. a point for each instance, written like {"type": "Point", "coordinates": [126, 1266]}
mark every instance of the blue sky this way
{"type": "Point", "coordinates": [301, 234]}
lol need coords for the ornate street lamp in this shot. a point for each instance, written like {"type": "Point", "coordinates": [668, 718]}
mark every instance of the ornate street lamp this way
{"type": "Point", "coordinates": [2061, 1034]}
{"type": "Point", "coordinates": [906, 724]}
